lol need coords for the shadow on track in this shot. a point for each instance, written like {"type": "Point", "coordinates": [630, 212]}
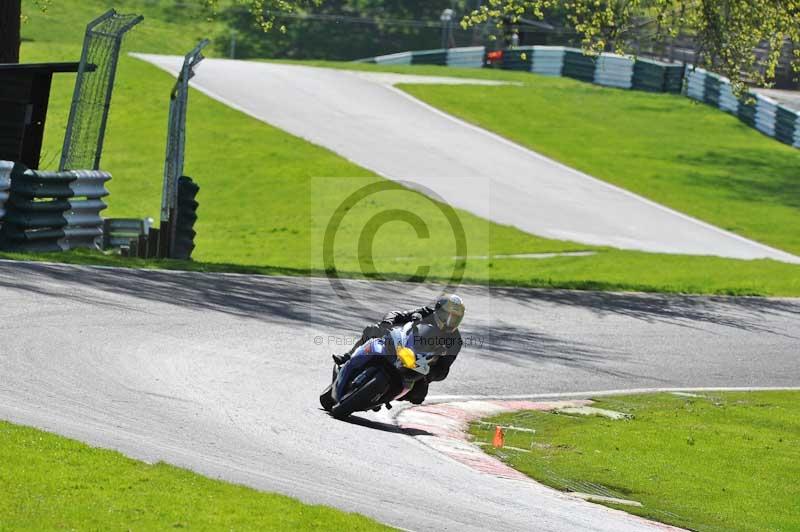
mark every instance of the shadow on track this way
{"type": "Point", "coordinates": [384, 427]}
{"type": "Point", "coordinates": [746, 313]}
{"type": "Point", "coordinates": [311, 300]}
{"type": "Point", "coordinates": [521, 347]}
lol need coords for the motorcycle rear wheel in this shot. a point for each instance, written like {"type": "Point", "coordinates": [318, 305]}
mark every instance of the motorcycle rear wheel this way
{"type": "Point", "coordinates": [360, 399]}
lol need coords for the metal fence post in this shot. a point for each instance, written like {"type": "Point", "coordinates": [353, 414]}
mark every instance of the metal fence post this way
{"type": "Point", "coordinates": [176, 144]}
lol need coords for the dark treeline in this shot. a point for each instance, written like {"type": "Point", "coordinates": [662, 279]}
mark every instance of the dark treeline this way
{"type": "Point", "coordinates": [349, 29]}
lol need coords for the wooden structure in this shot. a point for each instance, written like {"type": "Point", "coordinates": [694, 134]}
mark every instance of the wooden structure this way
{"type": "Point", "coordinates": [24, 96]}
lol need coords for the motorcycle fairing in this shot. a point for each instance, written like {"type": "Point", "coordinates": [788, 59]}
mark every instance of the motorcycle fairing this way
{"type": "Point", "coordinates": [365, 354]}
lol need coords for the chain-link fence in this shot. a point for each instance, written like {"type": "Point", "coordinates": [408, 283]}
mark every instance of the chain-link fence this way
{"type": "Point", "coordinates": [83, 142]}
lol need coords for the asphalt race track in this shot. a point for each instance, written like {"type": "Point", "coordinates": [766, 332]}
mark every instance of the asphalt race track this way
{"type": "Point", "coordinates": [362, 117]}
{"type": "Point", "coordinates": [220, 373]}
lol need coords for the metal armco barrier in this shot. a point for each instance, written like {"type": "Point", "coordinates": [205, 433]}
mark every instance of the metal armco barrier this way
{"type": "Point", "coordinates": [403, 58]}
{"type": "Point", "coordinates": [728, 102]}
{"type": "Point", "coordinates": [654, 76]}
{"type": "Point", "coordinates": [673, 77]}
{"type": "Point", "coordinates": [520, 58]}
{"type": "Point", "coordinates": [755, 110]}
{"type": "Point", "coordinates": [578, 65]}
{"type": "Point", "coordinates": [119, 232]}
{"type": "Point", "coordinates": [747, 112]}
{"type": "Point", "coordinates": [696, 84]}
{"type": "Point", "coordinates": [6, 167]}
{"type": "Point", "coordinates": [429, 57]}
{"type": "Point", "coordinates": [765, 115]}
{"type": "Point", "coordinates": [614, 71]}
{"type": "Point", "coordinates": [785, 122]}
{"type": "Point", "coordinates": [712, 90]}
{"type": "Point", "coordinates": [54, 211]}
{"type": "Point", "coordinates": [469, 57]}
{"type": "Point", "coordinates": [610, 70]}
{"type": "Point", "coordinates": [548, 60]}
{"type": "Point", "coordinates": [796, 143]}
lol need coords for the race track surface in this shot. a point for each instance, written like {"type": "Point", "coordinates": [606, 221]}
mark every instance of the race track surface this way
{"type": "Point", "coordinates": [220, 374]}
{"type": "Point", "coordinates": [362, 117]}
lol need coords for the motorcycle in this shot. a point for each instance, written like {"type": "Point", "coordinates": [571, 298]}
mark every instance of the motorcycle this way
{"type": "Point", "coordinates": [380, 371]}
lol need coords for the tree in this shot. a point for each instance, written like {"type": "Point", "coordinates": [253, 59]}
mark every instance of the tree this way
{"type": "Point", "coordinates": [263, 10]}
{"type": "Point", "coordinates": [340, 30]}
{"type": "Point", "coordinates": [726, 32]}
{"type": "Point", "coordinates": [10, 20]}
{"type": "Point", "coordinates": [10, 24]}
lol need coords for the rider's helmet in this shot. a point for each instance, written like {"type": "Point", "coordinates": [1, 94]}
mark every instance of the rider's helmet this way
{"type": "Point", "coordinates": [448, 312]}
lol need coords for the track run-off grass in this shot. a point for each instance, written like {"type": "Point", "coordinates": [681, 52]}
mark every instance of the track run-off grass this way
{"type": "Point", "coordinates": [266, 197]}
{"type": "Point", "coordinates": [668, 148]}
{"type": "Point", "coordinates": [715, 461]}
{"type": "Point", "coordinates": [54, 483]}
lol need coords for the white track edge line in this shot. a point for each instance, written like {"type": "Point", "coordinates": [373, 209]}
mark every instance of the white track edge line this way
{"type": "Point", "coordinates": [605, 393]}
{"type": "Point", "coordinates": [584, 175]}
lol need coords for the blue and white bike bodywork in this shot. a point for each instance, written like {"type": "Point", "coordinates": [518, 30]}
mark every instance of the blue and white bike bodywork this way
{"type": "Point", "coordinates": [382, 370]}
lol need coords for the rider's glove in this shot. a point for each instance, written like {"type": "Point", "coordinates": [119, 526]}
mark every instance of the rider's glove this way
{"type": "Point", "coordinates": [416, 317]}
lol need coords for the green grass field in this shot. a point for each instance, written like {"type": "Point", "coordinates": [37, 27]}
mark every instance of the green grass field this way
{"type": "Point", "coordinates": [54, 483]}
{"type": "Point", "coordinates": [266, 196]}
{"type": "Point", "coordinates": [167, 28]}
{"type": "Point", "coordinates": [716, 462]}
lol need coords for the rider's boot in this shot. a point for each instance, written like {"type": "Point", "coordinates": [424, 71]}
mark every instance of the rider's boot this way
{"type": "Point", "coordinates": [418, 393]}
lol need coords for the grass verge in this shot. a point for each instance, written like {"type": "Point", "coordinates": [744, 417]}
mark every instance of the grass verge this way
{"type": "Point", "coordinates": [49, 482]}
{"type": "Point", "coordinates": [719, 461]}
{"type": "Point", "coordinates": [169, 27]}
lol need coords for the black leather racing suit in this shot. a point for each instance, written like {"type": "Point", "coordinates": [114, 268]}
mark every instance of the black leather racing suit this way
{"type": "Point", "coordinates": [450, 341]}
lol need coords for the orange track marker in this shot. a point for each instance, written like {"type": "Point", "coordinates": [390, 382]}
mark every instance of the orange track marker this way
{"type": "Point", "coordinates": [499, 437]}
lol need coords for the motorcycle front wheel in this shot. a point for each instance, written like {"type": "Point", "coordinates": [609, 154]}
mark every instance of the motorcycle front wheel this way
{"type": "Point", "coordinates": [326, 398]}
{"type": "Point", "coordinates": [375, 385]}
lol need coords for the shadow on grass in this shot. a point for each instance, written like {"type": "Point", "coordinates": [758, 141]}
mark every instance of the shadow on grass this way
{"type": "Point", "coordinates": [754, 176]}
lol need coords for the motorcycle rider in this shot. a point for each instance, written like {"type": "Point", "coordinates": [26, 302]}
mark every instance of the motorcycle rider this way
{"type": "Point", "coordinates": [443, 317]}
